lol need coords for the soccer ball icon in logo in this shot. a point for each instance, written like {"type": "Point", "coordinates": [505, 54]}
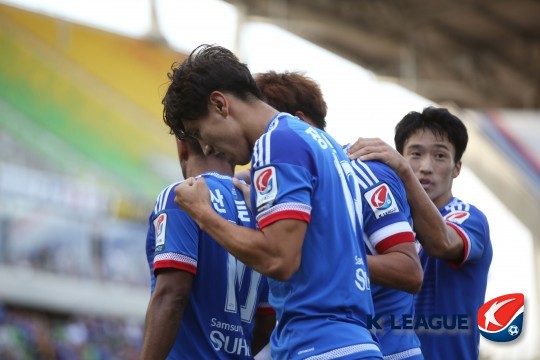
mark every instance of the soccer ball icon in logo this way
{"type": "Point", "coordinates": [513, 330]}
{"type": "Point", "coordinates": [501, 318]}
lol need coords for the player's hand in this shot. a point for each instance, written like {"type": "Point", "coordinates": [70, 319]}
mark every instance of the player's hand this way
{"type": "Point", "coordinates": [193, 196]}
{"type": "Point", "coordinates": [245, 189]}
{"type": "Point", "coordinates": [366, 149]}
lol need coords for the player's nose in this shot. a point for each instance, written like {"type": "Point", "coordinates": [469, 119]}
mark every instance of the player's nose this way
{"type": "Point", "coordinates": [426, 165]}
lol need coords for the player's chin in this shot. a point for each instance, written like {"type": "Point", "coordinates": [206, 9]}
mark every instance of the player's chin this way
{"type": "Point", "coordinates": [243, 160]}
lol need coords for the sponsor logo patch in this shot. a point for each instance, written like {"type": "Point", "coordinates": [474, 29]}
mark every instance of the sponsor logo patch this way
{"type": "Point", "coordinates": [501, 319]}
{"type": "Point", "coordinates": [381, 201]}
{"type": "Point", "coordinates": [160, 225]}
{"type": "Point", "coordinates": [265, 183]}
{"type": "Point", "coordinates": [457, 217]}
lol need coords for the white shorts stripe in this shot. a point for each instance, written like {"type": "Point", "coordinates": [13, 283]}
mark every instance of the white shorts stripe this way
{"type": "Point", "coordinates": [404, 354]}
{"type": "Point", "coordinates": [348, 350]}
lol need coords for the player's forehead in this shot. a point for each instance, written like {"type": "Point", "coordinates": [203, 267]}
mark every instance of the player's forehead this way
{"type": "Point", "coordinates": [428, 139]}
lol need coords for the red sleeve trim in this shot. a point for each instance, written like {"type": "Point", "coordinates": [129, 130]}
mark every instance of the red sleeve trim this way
{"type": "Point", "coordinates": [393, 240]}
{"type": "Point", "coordinates": [171, 264]}
{"type": "Point", "coordinates": [284, 215]}
{"type": "Point", "coordinates": [466, 246]}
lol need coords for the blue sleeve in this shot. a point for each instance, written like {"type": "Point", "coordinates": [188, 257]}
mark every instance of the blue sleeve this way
{"type": "Point", "coordinates": [472, 226]}
{"type": "Point", "coordinates": [282, 181]}
{"type": "Point", "coordinates": [176, 237]}
{"type": "Point", "coordinates": [386, 212]}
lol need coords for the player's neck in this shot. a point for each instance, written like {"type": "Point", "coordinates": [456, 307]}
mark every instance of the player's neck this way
{"type": "Point", "coordinates": [207, 165]}
{"type": "Point", "coordinates": [256, 115]}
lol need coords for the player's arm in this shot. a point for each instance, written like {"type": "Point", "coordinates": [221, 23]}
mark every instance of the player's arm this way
{"type": "Point", "coordinates": [164, 313]}
{"type": "Point", "coordinates": [275, 251]}
{"type": "Point", "coordinates": [264, 325]}
{"type": "Point", "coordinates": [437, 239]}
{"type": "Point", "coordinates": [397, 268]}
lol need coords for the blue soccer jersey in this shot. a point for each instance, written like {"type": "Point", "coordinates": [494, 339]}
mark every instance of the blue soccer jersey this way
{"type": "Point", "coordinates": [301, 173]}
{"type": "Point", "coordinates": [388, 222]}
{"type": "Point", "coordinates": [453, 292]}
{"type": "Point", "coordinates": [225, 294]}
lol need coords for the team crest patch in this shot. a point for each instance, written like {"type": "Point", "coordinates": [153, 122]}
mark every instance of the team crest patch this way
{"type": "Point", "coordinates": [457, 217]}
{"type": "Point", "coordinates": [265, 183]}
{"type": "Point", "coordinates": [160, 225]}
{"type": "Point", "coordinates": [381, 200]}
{"type": "Point", "coordinates": [501, 319]}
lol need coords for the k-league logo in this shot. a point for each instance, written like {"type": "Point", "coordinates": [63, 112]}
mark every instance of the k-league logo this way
{"type": "Point", "coordinates": [380, 198]}
{"type": "Point", "coordinates": [160, 224]}
{"type": "Point", "coordinates": [263, 182]}
{"type": "Point", "coordinates": [501, 319]}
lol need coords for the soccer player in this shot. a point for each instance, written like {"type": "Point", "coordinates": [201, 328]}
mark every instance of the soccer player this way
{"type": "Point", "coordinates": [303, 195]}
{"type": "Point", "coordinates": [205, 304]}
{"type": "Point", "coordinates": [395, 269]}
{"type": "Point", "coordinates": [456, 247]}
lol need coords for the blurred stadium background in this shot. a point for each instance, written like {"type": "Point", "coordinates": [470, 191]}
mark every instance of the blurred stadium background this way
{"type": "Point", "coordinates": [84, 152]}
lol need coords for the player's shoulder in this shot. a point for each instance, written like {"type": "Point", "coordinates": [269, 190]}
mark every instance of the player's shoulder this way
{"type": "Point", "coordinates": [458, 211]}
{"type": "Point", "coordinates": [285, 140]}
{"type": "Point", "coordinates": [222, 189]}
{"type": "Point", "coordinates": [374, 172]}
{"type": "Point", "coordinates": [283, 127]}
{"type": "Point", "coordinates": [380, 169]}
{"type": "Point", "coordinates": [214, 179]}
{"type": "Point", "coordinates": [165, 199]}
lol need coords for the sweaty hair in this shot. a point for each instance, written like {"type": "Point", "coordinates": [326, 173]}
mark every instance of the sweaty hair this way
{"type": "Point", "coordinates": [291, 92]}
{"type": "Point", "coordinates": [208, 68]}
{"type": "Point", "coordinates": [438, 120]}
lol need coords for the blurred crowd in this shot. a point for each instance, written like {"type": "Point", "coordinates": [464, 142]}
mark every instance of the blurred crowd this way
{"type": "Point", "coordinates": [29, 334]}
{"type": "Point", "coordinates": [55, 244]}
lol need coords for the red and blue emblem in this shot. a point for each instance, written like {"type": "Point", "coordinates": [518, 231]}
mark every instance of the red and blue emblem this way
{"type": "Point", "coordinates": [380, 199]}
{"type": "Point", "coordinates": [160, 224]}
{"type": "Point", "coordinates": [263, 181]}
{"type": "Point", "coordinates": [501, 319]}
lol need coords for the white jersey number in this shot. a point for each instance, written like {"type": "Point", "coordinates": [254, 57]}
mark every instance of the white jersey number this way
{"type": "Point", "coordinates": [236, 271]}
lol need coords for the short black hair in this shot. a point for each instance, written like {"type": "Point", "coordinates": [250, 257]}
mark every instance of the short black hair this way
{"type": "Point", "coordinates": [440, 121]}
{"type": "Point", "coordinates": [208, 68]}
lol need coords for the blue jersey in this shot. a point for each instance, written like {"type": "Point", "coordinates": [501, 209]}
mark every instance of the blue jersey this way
{"type": "Point", "coordinates": [388, 222]}
{"type": "Point", "coordinates": [301, 173]}
{"type": "Point", "coordinates": [456, 290]}
{"type": "Point", "coordinates": [225, 295]}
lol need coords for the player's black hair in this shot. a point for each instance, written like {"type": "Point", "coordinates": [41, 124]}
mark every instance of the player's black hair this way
{"type": "Point", "coordinates": [438, 120]}
{"type": "Point", "coordinates": [208, 68]}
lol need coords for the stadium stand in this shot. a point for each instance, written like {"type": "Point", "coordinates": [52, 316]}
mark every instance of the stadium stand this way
{"type": "Point", "coordinates": [83, 153]}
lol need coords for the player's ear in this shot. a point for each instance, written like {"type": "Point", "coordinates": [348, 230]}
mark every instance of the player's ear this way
{"type": "Point", "coordinates": [219, 103]}
{"type": "Point", "coordinates": [457, 169]}
{"type": "Point", "coordinates": [183, 150]}
{"type": "Point", "coordinates": [304, 117]}
{"type": "Point", "coordinates": [300, 115]}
